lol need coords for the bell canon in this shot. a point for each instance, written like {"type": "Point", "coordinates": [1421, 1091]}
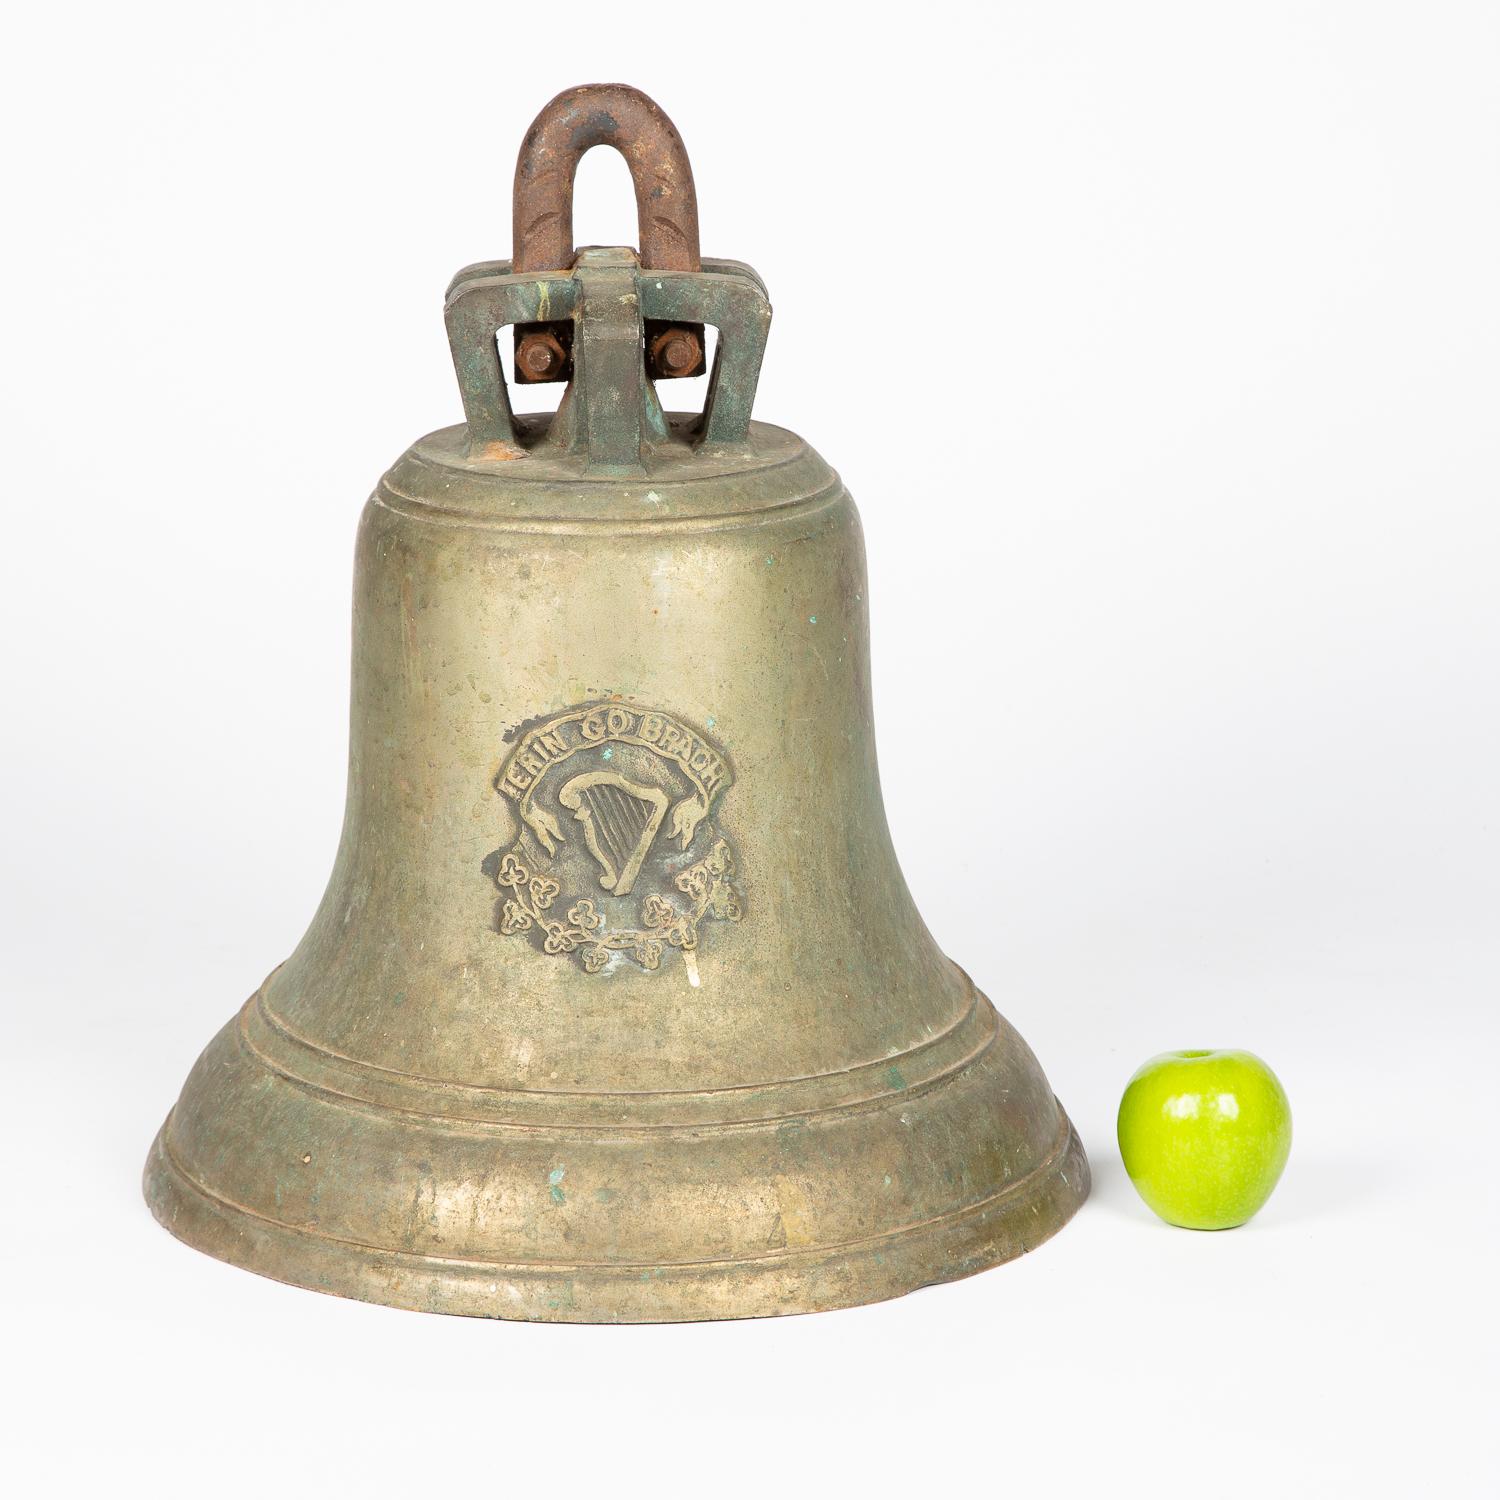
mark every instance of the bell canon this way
{"type": "Point", "coordinates": [617, 1008]}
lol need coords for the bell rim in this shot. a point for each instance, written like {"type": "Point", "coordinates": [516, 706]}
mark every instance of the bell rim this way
{"type": "Point", "coordinates": [976, 1237]}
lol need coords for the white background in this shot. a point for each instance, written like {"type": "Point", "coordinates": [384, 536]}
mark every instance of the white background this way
{"type": "Point", "coordinates": [1161, 347]}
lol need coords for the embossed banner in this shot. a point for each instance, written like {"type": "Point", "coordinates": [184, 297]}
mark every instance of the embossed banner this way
{"type": "Point", "coordinates": [545, 745]}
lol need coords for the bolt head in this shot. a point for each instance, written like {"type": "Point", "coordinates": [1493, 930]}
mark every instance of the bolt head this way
{"type": "Point", "coordinates": [539, 359]}
{"type": "Point", "coordinates": [676, 352]}
{"type": "Point", "coordinates": [539, 356]}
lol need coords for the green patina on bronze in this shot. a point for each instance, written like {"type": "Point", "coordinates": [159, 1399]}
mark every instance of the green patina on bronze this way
{"type": "Point", "coordinates": [617, 1008]}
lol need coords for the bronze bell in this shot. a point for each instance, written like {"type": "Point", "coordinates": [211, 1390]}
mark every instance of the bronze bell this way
{"type": "Point", "coordinates": [617, 1008]}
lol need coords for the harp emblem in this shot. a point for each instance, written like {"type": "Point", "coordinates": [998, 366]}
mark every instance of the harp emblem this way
{"type": "Point", "coordinates": [617, 857]}
{"type": "Point", "coordinates": [619, 818]}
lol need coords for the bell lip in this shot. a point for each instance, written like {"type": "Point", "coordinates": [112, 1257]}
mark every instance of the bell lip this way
{"type": "Point", "coordinates": [1008, 1224]}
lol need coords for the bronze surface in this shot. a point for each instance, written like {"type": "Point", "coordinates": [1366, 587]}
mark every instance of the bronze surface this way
{"type": "Point", "coordinates": [617, 1007]}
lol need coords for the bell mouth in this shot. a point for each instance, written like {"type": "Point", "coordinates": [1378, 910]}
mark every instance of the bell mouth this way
{"type": "Point", "coordinates": [791, 1201]}
{"type": "Point", "coordinates": [1007, 1224]}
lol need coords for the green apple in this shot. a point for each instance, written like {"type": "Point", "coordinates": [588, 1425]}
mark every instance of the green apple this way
{"type": "Point", "coordinates": [1204, 1136]}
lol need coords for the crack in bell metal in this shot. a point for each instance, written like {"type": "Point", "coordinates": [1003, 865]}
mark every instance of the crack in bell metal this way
{"type": "Point", "coordinates": [617, 1008]}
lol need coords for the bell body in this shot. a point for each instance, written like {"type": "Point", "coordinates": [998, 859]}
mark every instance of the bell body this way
{"type": "Point", "coordinates": [809, 1106]}
{"type": "Point", "coordinates": [617, 1007]}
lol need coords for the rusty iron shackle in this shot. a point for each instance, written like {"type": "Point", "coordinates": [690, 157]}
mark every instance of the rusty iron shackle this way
{"type": "Point", "coordinates": [578, 119]}
{"type": "Point", "coordinates": [604, 114]}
